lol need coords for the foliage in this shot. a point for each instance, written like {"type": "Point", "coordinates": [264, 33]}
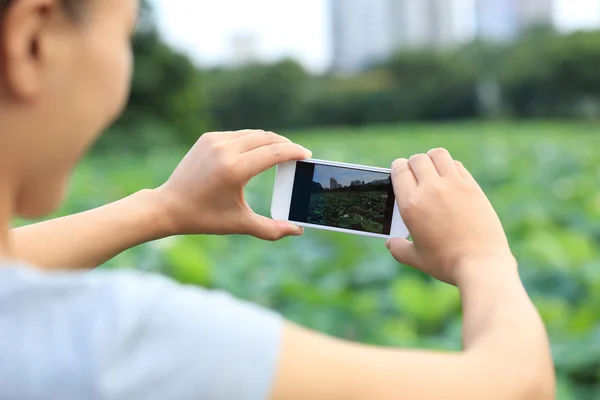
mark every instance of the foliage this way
{"type": "Point", "coordinates": [345, 209]}
{"type": "Point", "coordinates": [265, 96]}
{"type": "Point", "coordinates": [554, 75]}
{"type": "Point", "coordinates": [412, 86]}
{"type": "Point", "coordinates": [543, 74]}
{"type": "Point", "coordinates": [432, 86]}
{"type": "Point", "coordinates": [542, 178]}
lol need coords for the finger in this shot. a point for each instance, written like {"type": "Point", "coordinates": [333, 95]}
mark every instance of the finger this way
{"type": "Point", "coordinates": [242, 133]}
{"type": "Point", "coordinates": [443, 162]}
{"type": "Point", "coordinates": [255, 140]}
{"type": "Point", "coordinates": [403, 179]}
{"type": "Point", "coordinates": [404, 251]}
{"type": "Point", "coordinates": [423, 168]}
{"type": "Point", "coordinates": [464, 173]}
{"type": "Point", "coordinates": [263, 158]}
{"type": "Point", "coordinates": [230, 135]}
{"type": "Point", "coordinates": [267, 229]}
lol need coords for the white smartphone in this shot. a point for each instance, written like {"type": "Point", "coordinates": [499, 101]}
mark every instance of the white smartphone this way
{"type": "Point", "coordinates": [337, 197]}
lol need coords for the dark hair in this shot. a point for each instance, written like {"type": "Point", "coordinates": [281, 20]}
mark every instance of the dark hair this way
{"type": "Point", "coordinates": [71, 7]}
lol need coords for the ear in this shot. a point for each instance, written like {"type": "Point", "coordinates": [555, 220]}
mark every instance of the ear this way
{"type": "Point", "coordinates": [22, 37]}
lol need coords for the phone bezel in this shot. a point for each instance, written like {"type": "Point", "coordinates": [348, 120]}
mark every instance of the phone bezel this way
{"type": "Point", "coordinates": [282, 199]}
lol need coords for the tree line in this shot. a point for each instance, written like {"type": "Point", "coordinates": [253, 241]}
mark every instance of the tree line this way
{"type": "Point", "coordinates": [544, 74]}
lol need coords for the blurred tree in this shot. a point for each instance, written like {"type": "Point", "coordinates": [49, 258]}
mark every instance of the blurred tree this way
{"type": "Point", "coordinates": [411, 86]}
{"type": "Point", "coordinates": [257, 96]}
{"type": "Point", "coordinates": [352, 100]}
{"type": "Point", "coordinates": [433, 86]}
{"type": "Point", "coordinates": [552, 75]}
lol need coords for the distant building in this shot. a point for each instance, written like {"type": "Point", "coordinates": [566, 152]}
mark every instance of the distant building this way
{"type": "Point", "coordinates": [536, 12]}
{"type": "Point", "coordinates": [501, 20]}
{"type": "Point", "coordinates": [426, 23]}
{"type": "Point", "coordinates": [333, 184]}
{"type": "Point", "coordinates": [497, 19]}
{"type": "Point", "coordinates": [367, 31]}
{"type": "Point", "coordinates": [357, 183]}
{"type": "Point", "coordinates": [361, 33]}
{"type": "Point", "coordinates": [245, 49]}
{"type": "Point", "coordinates": [380, 182]}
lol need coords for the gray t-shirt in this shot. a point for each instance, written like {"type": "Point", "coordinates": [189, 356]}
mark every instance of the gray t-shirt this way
{"type": "Point", "coordinates": [129, 336]}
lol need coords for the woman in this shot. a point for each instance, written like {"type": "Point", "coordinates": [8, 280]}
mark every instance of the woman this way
{"type": "Point", "coordinates": [64, 77]}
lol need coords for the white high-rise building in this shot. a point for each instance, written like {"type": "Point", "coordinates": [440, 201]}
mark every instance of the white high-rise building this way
{"type": "Point", "coordinates": [244, 48]}
{"type": "Point", "coordinates": [497, 19]}
{"type": "Point", "coordinates": [534, 12]}
{"type": "Point", "coordinates": [361, 33]}
{"type": "Point", "coordinates": [423, 23]}
{"type": "Point", "coordinates": [505, 19]}
{"type": "Point", "coordinates": [366, 31]}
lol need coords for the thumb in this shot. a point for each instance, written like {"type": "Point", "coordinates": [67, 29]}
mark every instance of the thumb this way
{"type": "Point", "coordinates": [404, 251]}
{"type": "Point", "coordinates": [267, 229]}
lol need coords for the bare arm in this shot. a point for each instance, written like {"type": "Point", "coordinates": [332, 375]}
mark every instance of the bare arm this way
{"type": "Point", "coordinates": [89, 239]}
{"type": "Point", "coordinates": [505, 357]}
{"type": "Point", "coordinates": [459, 239]}
{"type": "Point", "coordinates": [205, 195]}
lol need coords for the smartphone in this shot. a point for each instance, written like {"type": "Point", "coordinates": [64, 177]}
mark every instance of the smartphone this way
{"type": "Point", "coordinates": [337, 197]}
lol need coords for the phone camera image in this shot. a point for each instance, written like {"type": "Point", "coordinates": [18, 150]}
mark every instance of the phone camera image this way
{"type": "Point", "coordinates": [343, 198]}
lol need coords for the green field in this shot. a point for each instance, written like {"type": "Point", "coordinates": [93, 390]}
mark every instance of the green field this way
{"type": "Point", "coordinates": [363, 211]}
{"type": "Point", "coordinates": [543, 178]}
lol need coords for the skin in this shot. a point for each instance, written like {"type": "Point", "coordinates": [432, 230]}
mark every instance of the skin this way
{"type": "Point", "coordinates": [63, 82]}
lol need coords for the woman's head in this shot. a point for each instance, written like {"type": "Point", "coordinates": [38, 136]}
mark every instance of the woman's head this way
{"type": "Point", "coordinates": [65, 69]}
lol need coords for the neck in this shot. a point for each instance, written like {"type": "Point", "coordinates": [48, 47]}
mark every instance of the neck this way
{"type": "Point", "coordinates": [6, 210]}
{"type": "Point", "coordinates": [8, 187]}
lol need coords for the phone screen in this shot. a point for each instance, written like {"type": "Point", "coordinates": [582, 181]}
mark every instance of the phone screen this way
{"type": "Point", "coordinates": [342, 197]}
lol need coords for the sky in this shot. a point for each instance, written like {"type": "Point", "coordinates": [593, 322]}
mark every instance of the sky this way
{"type": "Point", "coordinates": [296, 28]}
{"type": "Point", "coordinates": [344, 176]}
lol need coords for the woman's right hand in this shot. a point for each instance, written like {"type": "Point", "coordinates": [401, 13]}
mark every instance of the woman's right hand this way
{"type": "Point", "coordinates": [452, 223]}
{"type": "Point", "coordinates": [205, 194]}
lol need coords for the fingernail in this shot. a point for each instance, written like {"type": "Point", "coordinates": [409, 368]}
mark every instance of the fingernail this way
{"type": "Point", "coordinates": [308, 152]}
{"type": "Point", "coordinates": [297, 230]}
